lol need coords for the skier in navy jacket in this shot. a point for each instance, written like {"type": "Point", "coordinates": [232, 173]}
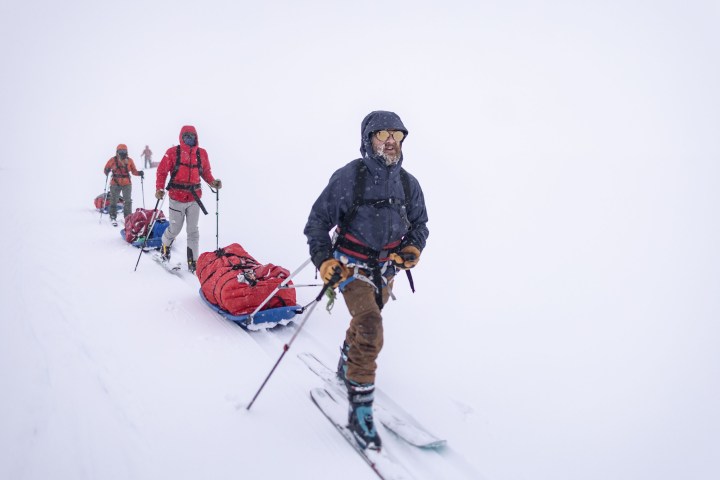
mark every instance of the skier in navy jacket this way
{"type": "Point", "coordinates": [379, 213]}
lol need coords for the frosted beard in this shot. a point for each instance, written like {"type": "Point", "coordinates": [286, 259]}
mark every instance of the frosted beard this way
{"type": "Point", "coordinates": [390, 158]}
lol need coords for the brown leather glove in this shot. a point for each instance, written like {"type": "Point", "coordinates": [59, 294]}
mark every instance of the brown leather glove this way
{"type": "Point", "coordinates": [217, 184]}
{"type": "Point", "coordinates": [159, 194]}
{"type": "Point", "coordinates": [328, 269]}
{"type": "Point", "coordinates": [407, 258]}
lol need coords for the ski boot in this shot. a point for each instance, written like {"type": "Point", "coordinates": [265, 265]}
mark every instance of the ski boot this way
{"type": "Point", "coordinates": [191, 261]}
{"type": "Point", "coordinates": [342, 363]}
{"type": "Point", "coordinates": [360, 415]}
{"type": "Point", "coordinates": [164, 253]}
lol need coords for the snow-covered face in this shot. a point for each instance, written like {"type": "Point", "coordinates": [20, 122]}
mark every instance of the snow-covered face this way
{"type": "Point", "coordinates": [389, 148]}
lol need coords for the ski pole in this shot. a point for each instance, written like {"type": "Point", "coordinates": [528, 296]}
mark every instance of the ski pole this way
{"type": "Point", "coordinates": [107, 175]}
{"type": "Point", "coordinates": [217, 218]}
{"type": "Point", "coordinates": [142, 180]}
{"type": "Point", "coordinates": [298, 285]}
{"type": "Point", "coordinates": [282, 285]}
{"type": "Point", "coordinates": [333, 280]}
{"type": "Point", "coordinates": [149, 231]}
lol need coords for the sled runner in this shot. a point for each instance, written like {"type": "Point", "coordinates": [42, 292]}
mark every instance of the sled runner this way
{"type": "Point", "coordinates": [241, 289]}
{"type": "Point", "coordinates": [262, 320]}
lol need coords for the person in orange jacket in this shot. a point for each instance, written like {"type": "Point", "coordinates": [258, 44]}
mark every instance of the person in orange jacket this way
{"type": "Point", "coordinates": [186, 163]}
{"type": "Point", "coordinates": [121, 166]}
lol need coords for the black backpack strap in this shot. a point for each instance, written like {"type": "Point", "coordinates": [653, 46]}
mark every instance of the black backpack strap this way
{"type": "Point", "coordinates": [191, 188]}
{"type": "Point", "coordinates": [405, 179]}
{"type": "Point", "coordinates": [178, 163]}
{"type": "Point", "coordinates": [358, 193]}
{"type": "Point", "coordinates": [119, 170]}
{"type": "Point", "coordinates": [358, 199]}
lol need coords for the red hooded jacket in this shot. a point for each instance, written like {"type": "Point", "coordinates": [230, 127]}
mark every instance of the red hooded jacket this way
{"type": "Point", "coordinates": [189, 171]}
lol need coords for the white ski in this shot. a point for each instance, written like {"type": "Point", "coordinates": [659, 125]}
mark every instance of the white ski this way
{"type": "Point", "coordinates": [336, 409]}
{"type": "Point", "coordinates": [385, 411]}
{"type": "Point", "coordinates": [170, 266]}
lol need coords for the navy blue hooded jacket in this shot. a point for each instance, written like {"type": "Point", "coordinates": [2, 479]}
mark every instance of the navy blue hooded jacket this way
{"type": "Point", "coordinates": [376, 227]}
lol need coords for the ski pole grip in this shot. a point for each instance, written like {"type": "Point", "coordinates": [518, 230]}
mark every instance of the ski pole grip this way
{"type": "Point", "coordinates": [337, 274]}
{"type": "Point", "coordinates": [400, 258]}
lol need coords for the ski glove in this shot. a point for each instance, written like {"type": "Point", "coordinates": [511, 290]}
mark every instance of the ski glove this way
{"type": "Point", "coordinates": [217, 184]}
{"type": "Point", "coordinates": [407, 258]}
{"type": "Point", "coordinates": [159, 194]}
{"type": "Point", "coordinates": [142, 174]}
{"type": "Point", "coordinates": [107, 171]}
{"type": "Point", "coordinates": [329, 267]}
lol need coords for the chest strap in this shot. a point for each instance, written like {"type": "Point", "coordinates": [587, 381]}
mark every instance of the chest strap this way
{"type": "Point", "coordinates": [192, 188]}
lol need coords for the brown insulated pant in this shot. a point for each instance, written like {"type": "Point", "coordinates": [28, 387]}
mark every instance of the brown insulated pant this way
{"type": "Point", "coordinates": [365, 333]}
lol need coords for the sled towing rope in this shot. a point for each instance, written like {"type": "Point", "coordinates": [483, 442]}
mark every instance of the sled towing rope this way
{"type": "Point", "coordinates": [217, 218]}
{"type": "Point", "coordinates": [150, 229]}
{"type": "Point", "coordinates": [337, 272]}
{"type": "Point", "coordinates": [107, 175]}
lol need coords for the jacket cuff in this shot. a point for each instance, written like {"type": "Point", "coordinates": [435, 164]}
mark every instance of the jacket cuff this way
{"type": "Point", "coordinates": [319, 258]}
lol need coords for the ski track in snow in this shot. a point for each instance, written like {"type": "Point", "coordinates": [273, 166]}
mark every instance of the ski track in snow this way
{"type": "Point", "coordinates": [83, 383]}
{"type": "Point", "coordinates": [423, 464]}
{"type": "Point", "coordinates": [61, 418]}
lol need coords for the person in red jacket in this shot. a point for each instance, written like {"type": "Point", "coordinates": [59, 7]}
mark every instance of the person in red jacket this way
{"type": "Point", "coordinates": [121, 167]}
{"type": "Point", "coordinates": [186, 163]}
{"type": "Point", "coordinates": [147, 155]}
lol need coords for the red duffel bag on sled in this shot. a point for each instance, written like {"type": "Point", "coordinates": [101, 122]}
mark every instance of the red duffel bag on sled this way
{"type": "Point", "coordinates": [102, 203]}
{"type": "Point", "coordinates": [233, 282]}
{"type": "Point", "coordinates": [137, 223]}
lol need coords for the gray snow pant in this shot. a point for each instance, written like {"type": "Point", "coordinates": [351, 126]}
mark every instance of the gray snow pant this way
{"type": "Point", "coordinates": [179, 211]}
{"type": "Point", "coordinates": [127, 199]}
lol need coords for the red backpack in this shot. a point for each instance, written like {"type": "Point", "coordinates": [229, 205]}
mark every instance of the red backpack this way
{"type": "Point", "coordinates": [136, 225]}
{"type": "Point", "coordinates": [99, 204]}
{"type": "Point", "coordinates": [233, 280]}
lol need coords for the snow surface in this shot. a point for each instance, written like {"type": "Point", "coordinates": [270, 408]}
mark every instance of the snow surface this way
{"type": "Point", "coordinates": [565, 324]}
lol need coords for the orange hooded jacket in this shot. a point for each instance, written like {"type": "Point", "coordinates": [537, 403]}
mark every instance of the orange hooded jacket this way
{"type": "Point", "coordinates": [121, 170]}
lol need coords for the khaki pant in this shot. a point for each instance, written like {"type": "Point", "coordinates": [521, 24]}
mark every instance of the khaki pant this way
{"type": "Point", "coordinates": [178, 213]}
{"type": "Point", "coordinates": [365, 333]}
{"type": "Point", "coordinates": [127, 199]}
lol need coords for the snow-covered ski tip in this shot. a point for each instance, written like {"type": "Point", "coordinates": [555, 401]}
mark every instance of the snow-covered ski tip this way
{"type": "Point", "coordinates": [391, 416]}
{"type": "Point", "coordinates": [335, 409]}
{"type": "Point", "coordinates": [169, 265]}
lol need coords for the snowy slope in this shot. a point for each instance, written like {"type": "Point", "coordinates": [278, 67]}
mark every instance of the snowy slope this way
{"type": "Point", "coordinates": [565, 321]}
{"type": "Point", "coordinates": [111, 373]}
{"type": "Point", "coordinates": [123, 374]}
